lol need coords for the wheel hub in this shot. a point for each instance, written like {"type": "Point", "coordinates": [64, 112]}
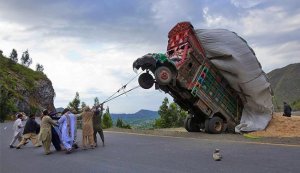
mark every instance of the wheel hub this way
{"type": "Point", "coordinates": [218, 126]}
{"type": "Point", "coordinates": [164, 75]}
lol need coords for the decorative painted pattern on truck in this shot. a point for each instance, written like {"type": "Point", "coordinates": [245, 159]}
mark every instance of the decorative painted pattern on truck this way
{"type": "Point", "coordinates": [197, 74]}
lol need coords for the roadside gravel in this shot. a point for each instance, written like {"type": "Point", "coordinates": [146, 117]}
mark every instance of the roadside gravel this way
{"type": "Point", "coordinates": [181, 132]}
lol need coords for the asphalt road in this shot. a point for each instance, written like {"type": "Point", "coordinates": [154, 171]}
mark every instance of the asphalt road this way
{"type": "Point", "coordinates": [144, 153]}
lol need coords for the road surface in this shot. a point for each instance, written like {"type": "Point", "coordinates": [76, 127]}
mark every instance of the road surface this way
{"type": "Point", "coordinates": [129, 153]}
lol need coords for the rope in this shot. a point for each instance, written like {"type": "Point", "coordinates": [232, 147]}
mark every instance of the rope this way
{"type": "Point", "coordinates": [107, 100]}
{"type": "Point", "coordinates": [122, 88]}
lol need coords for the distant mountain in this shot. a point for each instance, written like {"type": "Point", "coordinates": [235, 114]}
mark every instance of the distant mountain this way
{"type": "Point", "coordinates": [285, 83]}
{"type": "Point", "coordinates": [141, 119]}
{"type": "Point", "coordinates": [140, 114]}
{"type": "Point", "coordinates": [60, 109]}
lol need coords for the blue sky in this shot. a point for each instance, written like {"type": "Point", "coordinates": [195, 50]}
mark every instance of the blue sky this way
{"type": "Point", "coordinates": [89, 46]}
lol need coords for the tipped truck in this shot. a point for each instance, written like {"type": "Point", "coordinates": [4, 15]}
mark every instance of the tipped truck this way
{"type": "Point", "coordinates": [193, 81]}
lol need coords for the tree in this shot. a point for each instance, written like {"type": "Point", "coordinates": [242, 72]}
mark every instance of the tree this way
{"type": "Point", "coordinates": [96, 102]}
{"type": "Point", "coordinates": [7, 103]}
{"type": "Point", "coordinates": [14, 56]}
{"type": "Point", "coordinates": [25, 59]}
{"type": "Point", "coordinates": [163, 113]}
{"type": "Point", "coordinates": [170, 115]}
{"type": "Point", "coordinates": [107, 121]}
{"type": "Point", "coordinates": [83, 104]}
{"type": "Point", "coordinates": [75, 103]}
{"type": "Point", "coordinates": [121, 124]}
{"type": "Point", "coordinates": [39, 67]}
{"type": "Point", "coordinates": [182, 115]}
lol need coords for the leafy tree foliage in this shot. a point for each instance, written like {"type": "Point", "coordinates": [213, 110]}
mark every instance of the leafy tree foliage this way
{"type": "Point", "coordinates": [25, 59]}
{"type": "Point", "coordinates": [171, 115]}
{"type": "Point", "coordinates": [83, 104]}
{"type": "Point", "coordinates": [14, 56]}
{"type": "Point", "coordinates": [75, 103]}
{"type": "Point", "coordinates": [121, 124]}
{"type": "Point", "coordinates": [7, 105]}
{"type": "Point", "coordinates": [107, 121]}
{"type": "Point", "coordinates": [39, 67]}
{"type": "Point", "coordinates": [96, 101]}
{"type": "Point", "coordinates": [296, 105]}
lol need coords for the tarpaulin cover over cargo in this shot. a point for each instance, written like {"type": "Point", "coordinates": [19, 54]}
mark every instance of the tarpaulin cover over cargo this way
{"type": "Point", "coordinates": [237, 62]}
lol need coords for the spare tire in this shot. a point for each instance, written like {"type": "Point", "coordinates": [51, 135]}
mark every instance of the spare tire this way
{"type": "Point", "coordinates": [163, 75]}
{"type": "Point", "coordinates": [146, 80]}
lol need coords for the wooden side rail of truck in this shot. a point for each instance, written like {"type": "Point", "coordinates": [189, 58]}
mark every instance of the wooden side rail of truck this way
{"type": "Point", "coordinates": [193, 81]}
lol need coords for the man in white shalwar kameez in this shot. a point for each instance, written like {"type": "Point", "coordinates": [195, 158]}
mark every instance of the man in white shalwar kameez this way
{"type": "Point", "coordinates": [18, 129]}
{"type": "Point", "coordinates": [67, 125]}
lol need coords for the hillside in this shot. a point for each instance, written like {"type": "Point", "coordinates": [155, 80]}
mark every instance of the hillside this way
{"type": "Point", "coordinates": [285, 83]}
{"type": "Point", "coordinates": [140, 119]}
{"type": "Point", "coordinates": [25, 89]}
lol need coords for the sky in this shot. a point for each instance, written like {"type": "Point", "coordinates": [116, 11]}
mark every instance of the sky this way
{"type": "Point", "coordinates": [89, 46]}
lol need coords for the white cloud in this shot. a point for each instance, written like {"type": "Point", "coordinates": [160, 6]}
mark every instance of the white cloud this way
{"type": "Point", "coordinates": [170, 12]}
{"type": "Point", "coordinates": [263, 23]}
{"type": "Point", "coordinates": [99, 72]}
{"type": "Point", "coordinates": [246, 3]}
{"type": "Point", "coordinates": [278, 55]}
{"type": "Point", "coordinates": [212, 20]}
{"type": "Point", "coordinates": [271, 20]}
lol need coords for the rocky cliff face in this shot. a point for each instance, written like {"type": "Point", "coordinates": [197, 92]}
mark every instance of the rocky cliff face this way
{"type": "Point", "coordinates": [29, 91]}
{"type": "Point", "coordinates": [40, 98]}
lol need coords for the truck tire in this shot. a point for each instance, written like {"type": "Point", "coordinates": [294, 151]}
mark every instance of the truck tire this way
{"type": "Point", "coordinates": [163, 75]}
{"type": "Point", "coordinates": [191, 125]}
{"type": "Point", "coordinates": [146, 80]}
{"type": "Point", "coordinates": [186, 123]}
{"type": "Point", "coordinates": [215, 125]}
{"type": "Point", "coordinates": [206, 126]}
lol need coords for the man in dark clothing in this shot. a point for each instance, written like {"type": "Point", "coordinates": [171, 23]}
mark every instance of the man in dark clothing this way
{"type": "Point", "coordinates": [97, 123]}
{"type": "Point", "coordinates": [55, 137]}
{"type": "Point", "coordinates": [30, 132]}
{"type": "Point", "coordinates": [287, 110]}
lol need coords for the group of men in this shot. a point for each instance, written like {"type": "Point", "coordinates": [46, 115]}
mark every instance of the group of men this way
{"type": "Point", "coordinates": [61, 131]}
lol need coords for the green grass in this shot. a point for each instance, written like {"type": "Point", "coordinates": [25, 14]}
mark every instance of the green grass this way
{"type": "Point", "coordinates": [13, 75]}
{"type": "Point", "coordinates": [15, 79]}
{"type": "Point", "coordinates": [296, 105]}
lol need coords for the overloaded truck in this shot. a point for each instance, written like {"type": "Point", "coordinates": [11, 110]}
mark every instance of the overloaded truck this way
{"type": "Point", "coordinates": [193, 81]}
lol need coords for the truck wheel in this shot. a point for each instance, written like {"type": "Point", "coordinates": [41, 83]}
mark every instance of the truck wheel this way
{"type": "Point", "coordinates": [163, 75]}
{"type": "Point", "coordinates": [146, 80]}
{"type": "Point", "coordinates": [186, 123]}
{"type": "Point", "coordinates": [191, 125]}
{"type": "Point", "coordinates": [215, 125]}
